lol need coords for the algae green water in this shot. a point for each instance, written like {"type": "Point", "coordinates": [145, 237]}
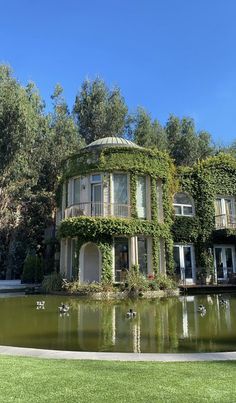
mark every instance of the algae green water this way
{"type": "Point", "coordinates": [160, 326]}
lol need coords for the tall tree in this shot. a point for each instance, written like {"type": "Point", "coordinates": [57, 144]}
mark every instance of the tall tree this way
{"type": "Point", "coordinates": [99, 111]}
{"type": "Point", "coordinates": [185, 145]}
{"type": "Point", "coordinates": [147, 133]}
{"type": "Point", "coordinates": [32, 145]}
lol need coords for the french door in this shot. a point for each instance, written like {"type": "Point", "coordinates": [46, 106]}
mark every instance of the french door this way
{"type": "Point", "coordinates": [224, 257]}
{"type": "Point", "coordinates": [184, 262]}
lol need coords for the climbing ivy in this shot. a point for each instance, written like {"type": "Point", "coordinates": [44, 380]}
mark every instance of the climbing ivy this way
{"type": "Point", "coordinates": [135, 161]}
{"type": "Point", "coordinates": [204, 182]}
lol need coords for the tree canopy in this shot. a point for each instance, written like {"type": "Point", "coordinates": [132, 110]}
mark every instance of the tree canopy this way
{"type": "Point", "coordinates": [99, 111]}
{"type": "Point", "coordinates": [33, 143]}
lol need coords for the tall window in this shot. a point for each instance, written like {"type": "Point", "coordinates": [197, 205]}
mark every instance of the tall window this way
{"type": "Point", "coordinates": [96, 195]}
{"type": "Point", "coordinates": [142, 255]}
{"type": "Point", "coordinates": [120, 195]}
{"type": "Point", "coordinates": [76, 191]}
{"type": "Point", "coordinates": [121, 257]}
{"type": "Point", "coordinates": [183, 204]}
{"type": "Point", "coordinates": [141, 197]}
{"type": "Point", "coordinates": [225, 211]}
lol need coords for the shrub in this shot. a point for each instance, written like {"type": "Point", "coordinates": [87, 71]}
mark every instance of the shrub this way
{"type": "Point", "coordinates": [52, 282]}
{"type": "Point", "coordinates": [83, 289]}
{"type": "Point", "coordinates": [32, 270]}
{"type": "Point", "coordinates": [164, 282]}
{"type": "Point", "coordinates": [135, 281]}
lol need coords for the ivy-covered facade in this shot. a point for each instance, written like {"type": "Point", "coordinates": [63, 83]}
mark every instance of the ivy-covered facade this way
{"type": "Point", "coordinates": [208, 231]}
{"type": "Point", "coordinates": [116, 211]}
{"type": "Point", "coordinates": [123, 205]}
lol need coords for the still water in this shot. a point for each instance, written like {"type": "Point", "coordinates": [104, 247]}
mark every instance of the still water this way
{"type": "Point", "coordinates": [161, 326]}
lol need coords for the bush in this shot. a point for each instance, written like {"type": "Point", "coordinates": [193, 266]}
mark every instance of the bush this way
{"type": "Point", "coordinates": [164, 282]}
{"type": "Point", "coordinates": [135, 281]}
{"type": "Point", "coordinates": [32, 270]}
{"type": "Point", "coordinates": [83, 289]}
{"type": "Point", "coordinates": [52, 282]}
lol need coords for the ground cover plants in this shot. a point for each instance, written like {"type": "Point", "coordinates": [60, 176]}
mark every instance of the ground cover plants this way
{"type": "Point", "coordinates": [44, 380]}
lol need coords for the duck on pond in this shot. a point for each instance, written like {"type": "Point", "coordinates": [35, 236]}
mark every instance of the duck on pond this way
{"type": "Point", "coordinates": [131, 314]}
{"type": "Point", "coordinates": [40, 304]}
{"type": "Point", "coordinates": [224, 302]}
{"type": "Point", "coordinates": [63, 308]}
{"type": "Point", "coordinates": [202, 310]}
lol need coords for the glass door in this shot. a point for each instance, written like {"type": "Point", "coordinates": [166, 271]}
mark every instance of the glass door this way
{"type": "Point", "coordinates": [224, 261]}
{"type": "Point", "coordinates": [184, 263]}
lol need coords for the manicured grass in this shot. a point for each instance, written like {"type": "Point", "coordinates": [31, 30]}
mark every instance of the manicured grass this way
{"type": "Point", "coordinates": [41, 380]}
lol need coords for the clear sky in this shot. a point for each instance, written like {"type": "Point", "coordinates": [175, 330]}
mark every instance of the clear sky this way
{"type": "Point", "coordinates": [169, 56]}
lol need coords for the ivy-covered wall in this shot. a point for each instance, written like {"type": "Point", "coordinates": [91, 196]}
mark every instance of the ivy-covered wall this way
{"type": "Point", "coordinates": [205, 181]}
{"type": "Point", "coordinates": [135, 161]}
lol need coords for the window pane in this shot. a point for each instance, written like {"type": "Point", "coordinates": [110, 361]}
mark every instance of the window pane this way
{"type": "Point", "coordinates": [228, 207]}
{"type": "Point", "coordinates": [177, 260]}
{"type": "Point", "coordinates": [228, 257]}
{"type": "Point", "coordinates": [142, 255]}
{"type": "Point", "coordinates": [187, 210]}
{"type": "Point", "coordinates": [76, 191]}
{"type": "Point", "coordinates": [187, 262]}
{"type": "Point", "coordinates": [96, 178]}
{"type": "Point", "coordinates": [120, 189]}
{"type": "Point", "coordinates": [121, 257]}
{"type": "Point", "coordinates": [67, 194]}
{"type": "Point", "coordinates": [218, 207]}
{"type": "Point", "coordinates": [177, 210]}
{"type": "Point", "coordinates": [141, 196]}
{"type": "Point", "coordinates": [182, 198]}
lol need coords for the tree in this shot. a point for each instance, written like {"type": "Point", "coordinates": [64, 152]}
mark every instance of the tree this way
{"type": "Point", "coordinates": [185, 145]}
{"type": "Point", "coordinates": [99, 111]}
{"type": "Point", "coordinates": [147, 133]}
{"type": "Point", "coordinates": [32, 145]}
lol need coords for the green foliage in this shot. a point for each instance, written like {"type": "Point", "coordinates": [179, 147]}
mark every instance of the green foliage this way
{"type": "Point", "coordinates": [84, 289]}
{"type": "Point", "coordinates": [147, 133]}
{"type": "Point", "coordinates": [164, 282]}
{"type": "Point", "coordinates": [32, 144]}
{"type": "Point", "coordinates": [100, 112]}
{"type": "Point", "coordinates": [135, 281]}
{"type": "Point", "coordinates": [204, 182]}
{"type": "Point", "coordinates": [52, 282]}
{"type": "Point", "coordinates": [185, 145]}
{"type": "Point", "coordinates": [32, 270]}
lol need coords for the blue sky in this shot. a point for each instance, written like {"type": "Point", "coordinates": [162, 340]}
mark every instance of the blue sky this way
{"type": "Point", "coordinates": [169, 56]}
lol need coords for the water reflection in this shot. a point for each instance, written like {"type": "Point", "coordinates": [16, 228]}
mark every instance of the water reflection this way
{"type": "Point", "coordinates": [171, 325]}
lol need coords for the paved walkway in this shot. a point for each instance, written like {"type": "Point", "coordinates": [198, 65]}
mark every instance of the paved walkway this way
{"type": "Point", "coordinates": [84, 355]}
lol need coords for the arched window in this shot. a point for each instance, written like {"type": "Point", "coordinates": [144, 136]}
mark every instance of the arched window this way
{"type": "Point", "coordinates": [183, 204]}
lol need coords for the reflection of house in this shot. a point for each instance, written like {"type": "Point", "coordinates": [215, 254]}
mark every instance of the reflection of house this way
{"type": "Point", "coordinates": [116, 211]}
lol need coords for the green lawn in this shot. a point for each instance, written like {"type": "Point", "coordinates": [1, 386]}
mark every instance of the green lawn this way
{"type": "Point", "coordinates": [41, 380]}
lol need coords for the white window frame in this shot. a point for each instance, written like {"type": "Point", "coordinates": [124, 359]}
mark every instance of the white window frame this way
{"type": "Point", "coordinates": [146, 209]}
{"type": "Point", "coordinates": [222, 219]}
{"type": "Point", "coordinates": [181, 258]}
{"type": "Point", "coordinates": [112, 191]}
{"type": "Point", "coordinates": [184, 205]}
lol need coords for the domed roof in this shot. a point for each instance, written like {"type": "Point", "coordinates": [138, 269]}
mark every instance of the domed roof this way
{"type": "Point", "coordinates": [112, 142]}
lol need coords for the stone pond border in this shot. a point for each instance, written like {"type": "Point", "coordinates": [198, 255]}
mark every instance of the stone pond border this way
{"type": "Point", "coordinates": [86, 355]}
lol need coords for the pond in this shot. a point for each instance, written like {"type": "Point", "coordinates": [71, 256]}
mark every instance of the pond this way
{"type": "Point", "coordinates": [161, 326]}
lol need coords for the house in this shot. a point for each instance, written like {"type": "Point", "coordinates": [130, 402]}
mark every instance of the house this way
{"type": "Point", "coordinates": [124, 205]}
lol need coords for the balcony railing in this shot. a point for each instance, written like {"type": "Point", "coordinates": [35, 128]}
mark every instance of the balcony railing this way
{"type": "Point", "coordinates": [94, 209]}
{"type": "Point", "coordinates": [225, 221]}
